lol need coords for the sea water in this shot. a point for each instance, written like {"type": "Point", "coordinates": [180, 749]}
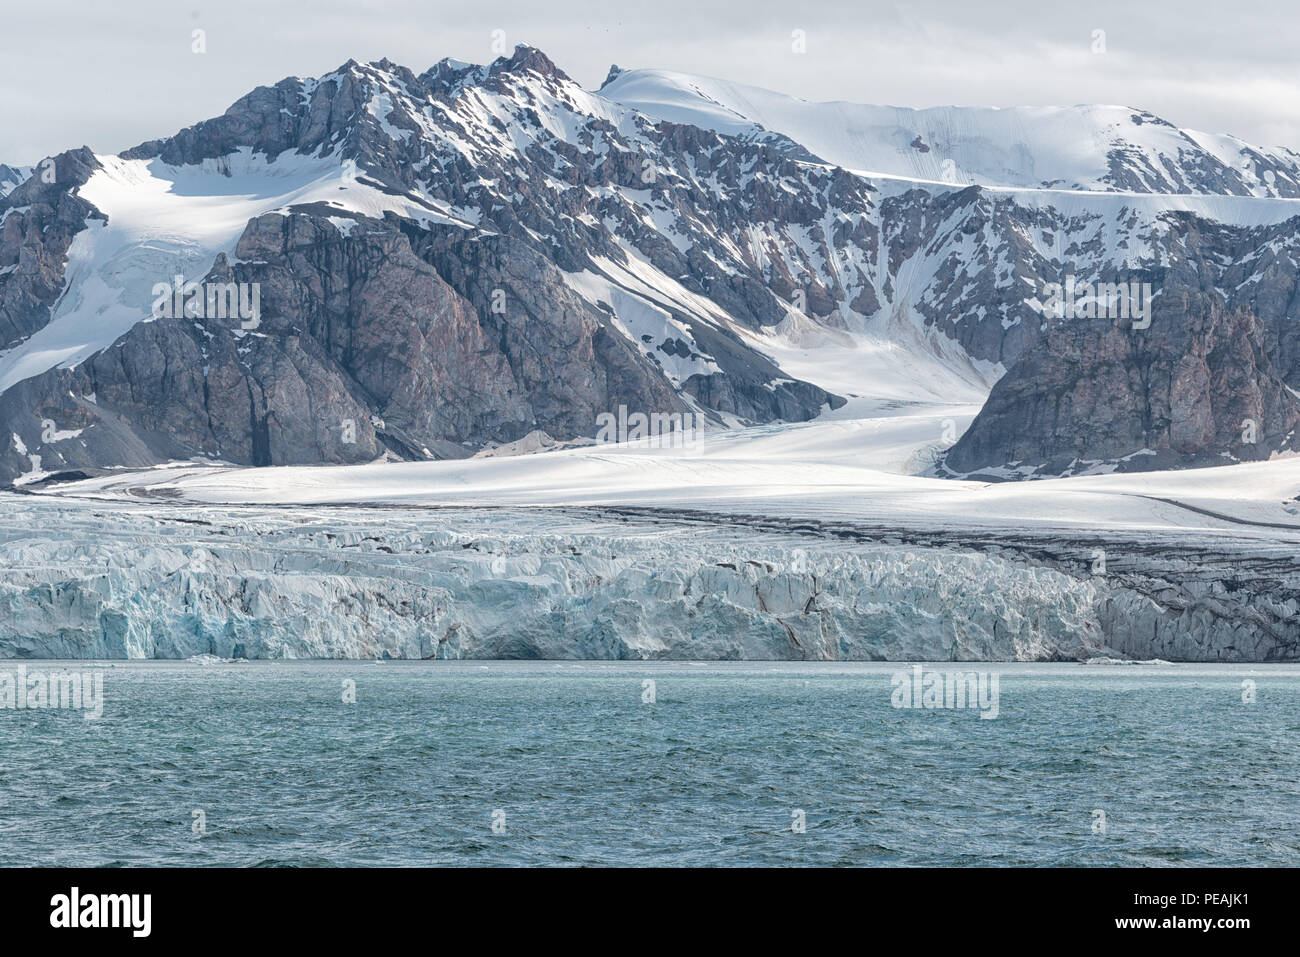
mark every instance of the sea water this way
{"type": "Point", "coordinates": [621, 763]}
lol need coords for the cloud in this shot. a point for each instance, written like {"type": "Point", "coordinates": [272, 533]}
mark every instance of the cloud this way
{"type": "Point", "coordinates": [113, 75]}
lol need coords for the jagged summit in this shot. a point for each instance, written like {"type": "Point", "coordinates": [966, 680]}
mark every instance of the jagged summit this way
{"type": "Point", "coordinates": [1106, 148]}
{"type": "Point", "coordinates": [615, 71]}
{"type": "Point", "coordinates": [528, 58]}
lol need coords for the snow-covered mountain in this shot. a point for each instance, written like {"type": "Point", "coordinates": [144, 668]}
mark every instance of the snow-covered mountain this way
{"type": "Point", "coordinates": [1111, 148]}
{"type": "Point", "coordinates": [467, 257]}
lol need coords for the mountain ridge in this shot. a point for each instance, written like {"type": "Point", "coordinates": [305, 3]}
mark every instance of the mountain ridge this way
{"type": "Point", "coordinates": [915, 143]}
{"type": "Point", "coordinates": [386, 215]}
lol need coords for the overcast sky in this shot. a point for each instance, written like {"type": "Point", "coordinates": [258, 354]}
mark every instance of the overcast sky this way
{"type": "Point", "coordinates": [112, 74]}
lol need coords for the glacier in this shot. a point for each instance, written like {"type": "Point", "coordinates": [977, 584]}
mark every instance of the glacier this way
{"type": "Point", "coordinates": [90, 579]}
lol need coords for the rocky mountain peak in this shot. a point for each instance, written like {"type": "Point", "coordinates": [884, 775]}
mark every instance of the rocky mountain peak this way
{"type": "Point", "coordinates": [44, 183]}
{"type": "Point", "coordinates": [527, 58]}
{"type": "Point", "coordinates": [615, 71]}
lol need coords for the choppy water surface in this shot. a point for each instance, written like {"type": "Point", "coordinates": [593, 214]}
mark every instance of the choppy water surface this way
{"type": "Point", "coordinates": [581, 770]}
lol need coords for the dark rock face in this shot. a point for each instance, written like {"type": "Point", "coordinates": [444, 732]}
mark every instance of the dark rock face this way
{"type": "Point", "coordinates": [1196, 388]}
{"type": "Point", "coordinates": [40, 219]}
{"type": "Point", "coordinates": [555, 347]}
{"type": "Point", "coordinates": [362, 348]}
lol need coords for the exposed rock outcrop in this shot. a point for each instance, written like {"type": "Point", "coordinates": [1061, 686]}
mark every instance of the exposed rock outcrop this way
{"type": "Point", "coordinates": [1196, 388]}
